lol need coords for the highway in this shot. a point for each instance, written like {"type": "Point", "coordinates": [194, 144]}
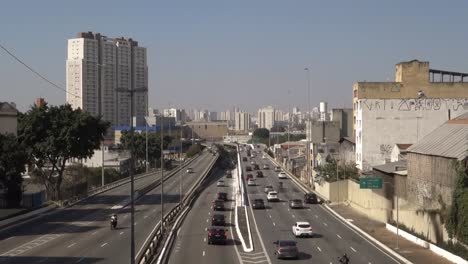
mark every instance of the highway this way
{"type": "Point", "coordinates": [332, 237]}
{"type": "Point", "coordinates": [81, 233]}
{"type": "Point", "coordinates": [190, 245]}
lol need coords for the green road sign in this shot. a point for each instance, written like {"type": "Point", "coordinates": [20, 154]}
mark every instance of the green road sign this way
{"type": "Point", "coordinates": [370, 183]}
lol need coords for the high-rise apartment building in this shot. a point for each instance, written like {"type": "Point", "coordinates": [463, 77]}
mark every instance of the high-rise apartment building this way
{"type": "Point", "coordinates": [102, 71]}
{"type": "Point", "coordinates": [266, 117]}
{"type": "Point", "coordinates": [242, 121]}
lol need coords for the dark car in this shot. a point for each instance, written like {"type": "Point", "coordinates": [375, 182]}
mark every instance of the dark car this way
{"type": "Point", "coordinates": [222, 196]}
{"type": "Point", "coordinates": [248, 176]}
{"type": "Point", "coordinates": [217, 235]}
{"type": "Point", "coordinates": [259, 174]}
{"type": "Point", "coordinates": [256, 167]}
{"type": "Point", "coordinates": [258, 204]}
{"type": "Point", "coordinates": [228, 174]}
{"type": "Point", "coordinates": [218, 205]}
{"type": "Point", "coordinates": [244, 158]}
{"type": "Point", "coordinates": [311, 198]}
{"type": "Point", "coordinates": [248, 168]}
{"type": "Point", "coordinates": [295, 204]}
{"type": "Point", "coordinates": [286, 249]}
{"type": "Point", "coordinates": [218, 220]}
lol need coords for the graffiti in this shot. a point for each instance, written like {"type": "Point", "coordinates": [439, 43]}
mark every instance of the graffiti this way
{"type": "Point", "coordinates": [424, 104]}
{"type": "Point", "coordinates": [385, 149]}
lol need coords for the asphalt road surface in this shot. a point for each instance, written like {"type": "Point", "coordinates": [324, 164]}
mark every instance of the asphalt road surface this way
{"type": "Point", "coordinates": [81, 233]}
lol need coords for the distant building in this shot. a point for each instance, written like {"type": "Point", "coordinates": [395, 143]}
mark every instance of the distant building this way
{"type": "Point", "coordinates": [242, 121]}
{"type": "Point", "coordinates": [173, 112]}
{"type": "Point", "coordinates": [399, 152]}
{"type": "Point", "coordinates": [211, 131]}
{"type": "Point", "coordinates": [417, 102]}
{"type": "Point", "coordinates": [344, 116]}
{"type": "Point", "coordinates": [318, 131]}
{"type": "Point", "coordinates": [266, 117]}
{"type": "Point", "coordinates": [8, 118]}
{"type": "Point", "coordinates": [100, 72]}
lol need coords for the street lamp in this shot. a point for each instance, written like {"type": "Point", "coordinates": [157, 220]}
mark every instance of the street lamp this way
{"type": "Point", "coordinates": [308, 131]}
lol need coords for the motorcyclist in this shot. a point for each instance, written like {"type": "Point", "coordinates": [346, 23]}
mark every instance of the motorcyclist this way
{"type": "Point", "coordinates": [344, 259]}
{"type": "Point", "coordinates": [114, 220]}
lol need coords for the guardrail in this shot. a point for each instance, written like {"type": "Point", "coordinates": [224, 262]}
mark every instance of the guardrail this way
{"type": "Point", "coordinates": [151, 245]}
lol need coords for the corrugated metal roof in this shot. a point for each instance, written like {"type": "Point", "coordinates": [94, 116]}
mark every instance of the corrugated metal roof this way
{"type": "Point", "coordinates": [391, 167]}
{"type": "Point", "coordinates": [448, 140]}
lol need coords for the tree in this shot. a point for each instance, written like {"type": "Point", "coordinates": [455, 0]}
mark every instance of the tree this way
{"type": "Point", "coordinates": [261, 133]}
{"type": "Point", "coordinates": [13, 159]}
{"type": "Point", "coordinates": [54, 135]}
{"type": "Point", "coordinates": [136, 143]}
{"type": "Point", "coordinates": [457, 222]}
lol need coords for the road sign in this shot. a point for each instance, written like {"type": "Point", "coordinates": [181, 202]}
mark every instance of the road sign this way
{"type": "Point", "coordinates": [370, 183]}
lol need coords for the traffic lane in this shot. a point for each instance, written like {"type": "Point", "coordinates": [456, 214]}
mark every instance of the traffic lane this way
{"type": "Point", "coordinates": [341, 238]}
{"type": "Point", "coordinates": [191, 244]}
{"type": "Point", "coordinates": [65, 239]}
{"type": "Point", "coordinates": [148, 214]}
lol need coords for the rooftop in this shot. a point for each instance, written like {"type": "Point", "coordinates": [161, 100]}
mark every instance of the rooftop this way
{"type": "Point", "coordinates": [392, 167]}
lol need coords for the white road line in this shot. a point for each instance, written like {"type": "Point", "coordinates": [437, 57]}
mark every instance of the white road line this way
{"type": "Point", "coordinates": [319, 249]}
{"type": "Point", "coordinates": [316, 216]}
{"type": "Point", "coordinates": [209, 213]}
{"type": "Point", "coordinates": [71, 245]}
{"type": "Point", "coordinates": [289, 209]}
{"type": "Point", "coordinates": [325, 224]}
{"type": "Point", "coordinates": [338, 236]}
{"type": "Point", "coordinates": [103, 244]}
{"type": "Point", "coordinates": [121, 233]}
{"type": "Point", "coordinates": [80, 260]}
{"type": "Point", "coordinates": [204, 239]}
{"type": "Point", "coordinates": [293, 216]}
{"type": "Point", "coordinates": [9, 238]}
{"type": "Point", "coordinates": [352, 249]}
{"type": "Point", "coordinates": [309, 209]}
{"type": "Point", "coordinates": [274, 224]}
{"type": "Point", "coordinates": [207, 220]}
{"type": "Point", "coordinates": [269, 216]}
{"type": "Point", "coordinates": [203, 252]}
{"type": "Point", "coordinates": [94, 233]}
{"type": "Point", "coordinates": [145, 217]}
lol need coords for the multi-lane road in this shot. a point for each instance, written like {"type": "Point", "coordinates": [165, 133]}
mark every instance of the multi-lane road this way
{"type": "Point", "coordinates": [81, 233]}
{"type": "Point", "coordinates": [332, 237]}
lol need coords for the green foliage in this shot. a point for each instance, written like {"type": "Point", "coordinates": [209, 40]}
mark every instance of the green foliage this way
{"type": "Point", "coordinates": [345, 171]}
{"type": "Point", "coordinates": [13, 159]}
{"type": "Point", "coordinates": [193, 150]}
{"type": "Point", "coordinates": [261, 133]}
{"type": "Point", "coordinates": [53, 135]}
{"type": "Point", "coordinates": [457, 222]}
{"type": "Point", "coordinates": [136, 143]}
{"type": "Point", "coordinates": [227, 156]}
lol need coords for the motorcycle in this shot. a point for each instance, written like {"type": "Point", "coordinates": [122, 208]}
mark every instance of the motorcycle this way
{"type": "Point", "coordinates": [113, 224]}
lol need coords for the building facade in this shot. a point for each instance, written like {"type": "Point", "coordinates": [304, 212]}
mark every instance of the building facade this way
{"type": "Point", "coordinates": [100, 73]}
{"type": "Point", "coordinates": [266, 117]}
{"type": "Point", "coordinates": [8, 118]}
{"type": "Point", "coordinates": [404, 111]}
{"type": "Point", "coordinates": [242, 121]}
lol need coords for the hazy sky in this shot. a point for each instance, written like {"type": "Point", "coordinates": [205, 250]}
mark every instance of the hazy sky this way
{"type": "Point", "coordinates": [218, 54]}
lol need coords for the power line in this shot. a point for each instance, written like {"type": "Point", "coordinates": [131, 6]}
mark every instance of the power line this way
{"type": "Point", "coordinates": [35, 72]}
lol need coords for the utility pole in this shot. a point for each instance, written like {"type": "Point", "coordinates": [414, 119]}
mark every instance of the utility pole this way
{"type": "Point", "coordinates": [102, 165]}
{"type": "Point", "coordinates": [181, 161]}
{"type": "Point", "coordinates": [162, 174]}
{"type": "Point", "coordinates": [308, 131]}
{"type": "Point", "coordinates": [132, 178]}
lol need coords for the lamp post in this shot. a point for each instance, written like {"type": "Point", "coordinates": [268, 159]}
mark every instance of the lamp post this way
{"type": "Point", "coordinates": [162, 174]}
{"type": "Point", "coordinates": [100, 110]}
{"type": "Point", "coordinates": [308, 131]}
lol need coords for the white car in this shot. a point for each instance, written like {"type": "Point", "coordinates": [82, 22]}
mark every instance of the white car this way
{"type": "Point", "coordinates": [302, 229]}
{"type": "Point", "coordinates": [220, 184]}
{"type": "Point", "coordinates": [251, 182]}
{"type": "Point", "coordinates": [265, 167]}
{"type": "Point", "coordinates": [189, 170]}
{"type": "Point", "coordinates": [272, 196]}
{"type": "Point", "coordinates": [282, 175]}
{"type": "Point", "coordinates": [263, 157]}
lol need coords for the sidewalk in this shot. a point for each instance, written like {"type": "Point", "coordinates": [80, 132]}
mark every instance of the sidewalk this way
{"type": "Point", "coordinates": [407, 249]}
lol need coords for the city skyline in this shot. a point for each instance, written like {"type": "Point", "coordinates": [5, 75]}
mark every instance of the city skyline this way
{"type": "Point", "coordinates": [189, 47]}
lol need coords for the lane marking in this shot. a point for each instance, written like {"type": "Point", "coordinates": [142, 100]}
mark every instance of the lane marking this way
{"type": "Point", "coordinates": [9, 238]}
{"type": "Point", "coordinates": [269, 216]}
{"type": "Point", "coordinates": [145, 217]}
{"type": "Point", "coordinates": [274, 224]}
{"type": "Point", "coordinates": [352, 249]}
{"type": "Point", "coordinates": [207, 220]}
{"type": "Point", "coordinates": [293, 216]}
{"type": "Point", "coordinates": [121, 233]}
{"type": "Point", "coordinates": [71, 245]}
{"type": "Point", "coordinates": [325, 224]}
{"type": "Point", "coordinates": [104, 244]}
{"type": "Point", "coordinates": [316, 216]}
{"type": "Point", "coordinates": [339, 236]}
{"type": "Point", "coordinates": [80, 260]}
{"type": "Point", "coordinates": [319, 249]}
{"type": "Point", "coordinates": [309, 209]}
{"type": "Point", "coordinates": [203, 252]}
{"type": "Point", "coordinates": [94, 233]}
{"type": "Point", "coordinates": [204, 239]}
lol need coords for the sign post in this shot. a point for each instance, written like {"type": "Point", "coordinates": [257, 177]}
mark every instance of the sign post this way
{"type": "Point", "coordinates": [370, 183]}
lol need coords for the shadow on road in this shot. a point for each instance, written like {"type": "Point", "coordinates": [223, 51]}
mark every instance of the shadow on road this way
{"type": "Point", "coordinates": [48, 260]}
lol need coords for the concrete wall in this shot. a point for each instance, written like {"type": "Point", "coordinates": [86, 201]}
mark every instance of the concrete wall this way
{"type": "Point", "coordinates": [381, 123]}
{"type": "Point", "coordinates": [370, 202]}
{"type": "Point", "coordinates": [323, 129]}
{"type": "Point", "coordinates": [430, 180]}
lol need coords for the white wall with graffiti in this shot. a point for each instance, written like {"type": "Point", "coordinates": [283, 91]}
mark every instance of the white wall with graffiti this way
{"type": "Point", "coordinates": [382, 123]}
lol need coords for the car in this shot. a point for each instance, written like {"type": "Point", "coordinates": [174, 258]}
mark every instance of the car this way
{"type": "Point", "coordinates": [264, 157]}
{"type": "Point", "coordinates": [251, 182]}
{"type": "Point", "coordinates": [311, 198]}
{"type": "Point", "coordinates": [268, 189]}
{"type": "Point", "coordinates": [248, 176]}
{"type": "Point", "coordinates": [282, 175]}
{"type": "Point", "coordinates": [222, 196]}
{"type": "Point", "coordinates": [248, 168]}
{"type": "Point", "coordinates": [302, 229]}
{"type": "Point", "coordinates": [189, 170]}
{"type": "Point", "coordinates": [277, 168]}
{"type": "Point", "coordinates": [272, 196]}
{"type": "Point", "coordinates": [218, 205]}
{"type": "Point", "coordinates": [218, 220]}
{"type": "Point", "coordinates": [258, 204]}
{"type": "Point", "coordinates": [286, 249]}
{"type": "Point", "coordinates": [217, 235]}
{"type": "Point", "coordinates": [244, 158]}
{"type": "Point", "coordinates": [265, 167]}
{"type": "Point", "coordinates": [220, 183]}
{"type": "Point", "coordinates": [228, 174]}
{"type": "Point", "coordinates": [253, 162]}
{"type": "Point", "coordinates": [256, 167]}
{"type": "Point", "coordinates": [259, 174]}
{"type": "Point", "coordinates": [295, 204]}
